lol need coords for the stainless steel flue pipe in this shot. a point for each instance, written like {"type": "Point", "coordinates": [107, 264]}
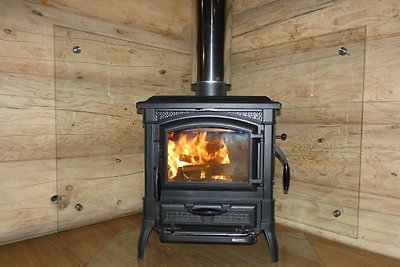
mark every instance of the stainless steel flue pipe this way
{"type": "Point", "coordinates": [212, 30]}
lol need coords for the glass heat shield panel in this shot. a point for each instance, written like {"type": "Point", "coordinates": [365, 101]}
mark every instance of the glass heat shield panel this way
{"type": "Point", "coordinates": [100, 168]}
{"type": "Point", "coordinates": [215, 155]}
{"type": "Point", "coordinates": [320, 82]}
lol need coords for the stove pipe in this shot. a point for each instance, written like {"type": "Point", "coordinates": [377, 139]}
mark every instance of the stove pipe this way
{"type": "Point", "coordinates": [211, 72]}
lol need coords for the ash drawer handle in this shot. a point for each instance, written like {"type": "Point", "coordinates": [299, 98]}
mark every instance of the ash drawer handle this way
{"type": "Point", "coordinates": [207, 210]}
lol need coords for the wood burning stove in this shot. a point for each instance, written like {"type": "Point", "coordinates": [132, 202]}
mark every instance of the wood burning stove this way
{"type": "Point", "coordinates": [209, 159]}
{"type": "Point", "coordinates": [209, 169]}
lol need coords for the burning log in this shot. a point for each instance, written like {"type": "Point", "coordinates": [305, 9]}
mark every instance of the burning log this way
{"type": "Point", "coordinates": [212, 171]}
{"type": "Point", "coordinates": [190, 172]}
{"type": "Point", "coordinates": [196, 149]}
{"type": "Point", "coordinates": [187, 158]}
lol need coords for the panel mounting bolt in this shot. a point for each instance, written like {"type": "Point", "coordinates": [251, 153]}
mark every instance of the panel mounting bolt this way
{"type": "Point", "coordinates": [343, 51]}
{"type": "Point", "coordinates": [76, 49]}
{"type": "Point", "coordinates": [55, 199]}
{"type": "Point", "coordinates": [78, 207]}
{"type": "Point", "coordinates": [337, 213]}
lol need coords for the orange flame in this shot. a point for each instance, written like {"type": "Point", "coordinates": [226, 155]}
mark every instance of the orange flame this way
{"type": "Point", "coordinates": [196, 150]}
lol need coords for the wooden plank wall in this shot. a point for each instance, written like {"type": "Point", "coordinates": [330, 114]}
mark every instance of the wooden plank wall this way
{"type": "Point", "coordinates": [88, 159]}
{"type": "Point", "coordinates": [322, 117]}
{"type": "Point", "coordinates": [260, 26]}
{"type": "Point", "coordinates": [100, 140]}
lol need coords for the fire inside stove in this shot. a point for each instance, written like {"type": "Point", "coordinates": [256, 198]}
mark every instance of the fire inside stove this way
{"type": "Point", "coordinates": [208, 155]}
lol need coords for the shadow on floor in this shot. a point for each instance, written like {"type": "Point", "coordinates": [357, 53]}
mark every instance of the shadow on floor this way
{"type": "Point", "coordinates": [295, 251]}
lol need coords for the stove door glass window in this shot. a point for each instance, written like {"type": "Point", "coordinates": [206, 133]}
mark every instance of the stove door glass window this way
{"type": "Point", "coordinates": [214, 155]}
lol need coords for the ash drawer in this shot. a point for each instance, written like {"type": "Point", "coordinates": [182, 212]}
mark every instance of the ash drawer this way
{"type": "Point", "coordinates": [208, 214]}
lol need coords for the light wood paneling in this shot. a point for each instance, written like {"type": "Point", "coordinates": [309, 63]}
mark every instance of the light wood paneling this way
{"type": "Point", "coordinates": [308, 49]}
{"type": "Point", "coordinates": [165, 18]}
{"type": "Point", "coordinates": [18, 13]}
{"type": "Point", "coordinates": [381, 137]}
{"type": "Point", "coordinates": [240, 6]}
{"type": "Point", "coordinates": [342, 15]}
{"type": "Point", "coordinates": [104, 50]}
{"type": "Point", "coordinates": [323, 122]}
{"type": "Point", "coordinates": [321, 139]}
{"type": "Point", "coordinates": [274, 12]}
{"type": "Point", "coordinates": [379, 225]}
{"type": "Point", "coordinates": [27, 164]}
{"type": "Point", "coordinates": [98, 145]}
{"type": "Point", "coordinates": [26, 173]}
{"type": "Point", "coordinates": [261, 43]}
{"type": "Point", "coordinates": [380, 204]}
{"type": "Point", "coordinates": [322, 212]}
{"type": "Point", "coordinates": [28, 90]}
{"type": "Point", "coordinates": [25, 190]}
{"type": "Point", "coordinates": [381, 165]}
{"type": "Point", "coordinates": [19, 120]}
{"type": "Point", "coordinates": [151, 76]}
{"type": "Point", "coordinates": [380, 231]}
{"type": "Point", "coordinates": [313, 204]}
{"type": "Point", "coordinates": [326, 155]}
{"type": "Point", "coordinates": [113, 182]}
{"type": "Point", "coordinates": [382, 70]}
{"type": "Point", "coordinates": [381, 113]}
{"type": "Point", "coordinates": [97, 122]}
{"type": "Point", "coordinates": [107, 187]}
{"type": "Point", "coordinates": [87, 123]}
{"type": "Point", "coordinates": [343, 114]}
{"type": "Point", "coordinates": [101, 166]}
{"type": "Point", "coordinates": [381, 171]}
{"type": "Point", "coordinates": [320, 193]}
{"type": "Point", "coordinates": [26, 66]}
{"type": "Point", "coordinates": [101, 107]}
{"type": "Point", "coordinates": [306, 81]}
{"type": "Point", "coordinates": [102, 199]}
{"type": "Point", "coordinates": [323, 169]}
{"type": "Point", "coordinates": [27, 147]}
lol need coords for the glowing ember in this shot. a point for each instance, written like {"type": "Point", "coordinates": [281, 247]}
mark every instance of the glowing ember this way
{"type": "Point", "coordinates": [196, 150]}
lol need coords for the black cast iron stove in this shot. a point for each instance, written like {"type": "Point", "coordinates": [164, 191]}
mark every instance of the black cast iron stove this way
{"type": "Point", "coordinates": [209, 158]}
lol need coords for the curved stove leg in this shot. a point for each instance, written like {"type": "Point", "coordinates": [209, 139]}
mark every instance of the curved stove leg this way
{"type": "Point", "coordinates": [273, 245]}
{"type": "Point", "coordinates": [144, 236]}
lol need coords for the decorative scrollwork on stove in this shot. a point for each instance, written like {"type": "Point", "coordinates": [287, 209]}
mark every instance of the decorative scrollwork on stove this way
{"type": "Point", "coordinates": [160, 115]}
{"type": "Point", "coordinates": [255, 115]}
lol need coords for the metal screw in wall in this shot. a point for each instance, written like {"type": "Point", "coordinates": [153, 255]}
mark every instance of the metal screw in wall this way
{"type": "Point", "coordinates": [76, 49]}
{"type": "Point", "coordinates": [343, 51]}
{"type": "Point", "coordinates": [78, 207]}
{"type": "Point", "coordinates": [55, 199]}
{"type": "Point", "coordinates": [337, 213]}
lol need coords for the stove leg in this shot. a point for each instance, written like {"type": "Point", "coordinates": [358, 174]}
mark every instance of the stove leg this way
{"type": "Point", "coordinates": [273, 245]}
{"type": "Point", "coordinates": [144, 236]}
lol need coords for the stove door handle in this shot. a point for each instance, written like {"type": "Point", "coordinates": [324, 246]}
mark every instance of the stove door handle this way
{"type": "Point", "coordinates": [207, 210]}
{"type": "Point", "coordinates": [286, 178]}
{"type": "Point", "coordinates": [286, 170]}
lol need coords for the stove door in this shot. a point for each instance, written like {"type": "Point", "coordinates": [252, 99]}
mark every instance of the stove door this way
{"type": "Point", "coordinates": [209, 153]}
